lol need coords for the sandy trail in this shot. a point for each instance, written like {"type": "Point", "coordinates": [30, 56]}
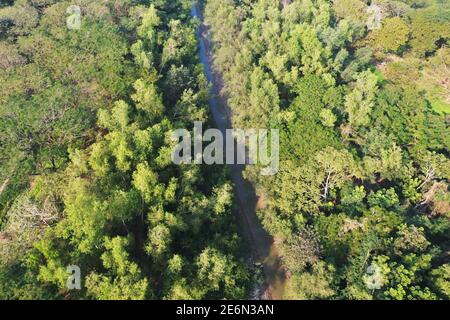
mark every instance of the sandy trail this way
{"type": "Point", "coordinates": [260, 241]}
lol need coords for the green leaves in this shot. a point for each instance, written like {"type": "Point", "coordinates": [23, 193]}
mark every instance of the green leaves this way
{"type": "Point", "coordinates": [441, 277]}
{"type": "Point", "coordinates": [124, 280]}
{"type": "Point", "coordinates": [159, 241]}
{"type": "Point", "coordinates": [86, 216]}
{"type": "Point", "coordinates": [118, 119]}
{"type": "Point", "coordinates": [344, 84]}
{"type": "Point", "coordinates": [223, 198]}
{"type": "Point", "coordinates": [150, 20]}
{"type": "Point", "coordinates": [364, 170]}
{"type": "Point", "coordinates": [316, 284]}
{"type": "Point", "coordinates": [428, 26]}
{"type": "Point", "coordinates": [147, 99]}
{"type": "Point", "coordinates": [386, 40]}
{"type": "Point", "coordinates": [263, 99]}
{"type": "Point", "coordinates": [336, 167]}
{"type": "Point", "coordinates": [360, 101]}
{"type": "Point", "coordinates": [146, 182]}
{"type": "Point", "coordinates": [217, 271]}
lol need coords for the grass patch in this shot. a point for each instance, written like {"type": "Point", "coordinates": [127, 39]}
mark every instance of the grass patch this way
{"type": "Point", "coordinates": [380, 77]}
{"type": "Point", "coordinates": [440, 106]}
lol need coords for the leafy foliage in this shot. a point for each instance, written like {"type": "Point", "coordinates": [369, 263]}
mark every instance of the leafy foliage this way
{"type": "Point", "coordinates": [106, 196]}
{"type": "Point", "coordinates": [353, 90]}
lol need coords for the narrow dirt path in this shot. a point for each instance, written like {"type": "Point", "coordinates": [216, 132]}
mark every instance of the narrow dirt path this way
{"type": "Point", "coordinates": [260, 241]}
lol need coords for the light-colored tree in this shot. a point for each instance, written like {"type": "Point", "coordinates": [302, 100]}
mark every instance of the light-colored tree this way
{"type": "Point", "coordinates": [360, 101]}
{"type": "Point", "coordinates": [336, 167]}
{"type": "Point", "coordinates": [124, 280]}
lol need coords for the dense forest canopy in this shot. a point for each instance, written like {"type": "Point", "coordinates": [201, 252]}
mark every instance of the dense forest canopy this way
{"type": "Point", "coordinates": [359, 89]}
{"type": "Point", "coordinates": [86, 117]}
{"type": "Point", "coordinates": [360, 92]}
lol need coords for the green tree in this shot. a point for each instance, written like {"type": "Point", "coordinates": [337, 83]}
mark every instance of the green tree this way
{"type": "Point", "coordinates": [124, 280]}
{"type": "Point", "coordinates": [391, 37]}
